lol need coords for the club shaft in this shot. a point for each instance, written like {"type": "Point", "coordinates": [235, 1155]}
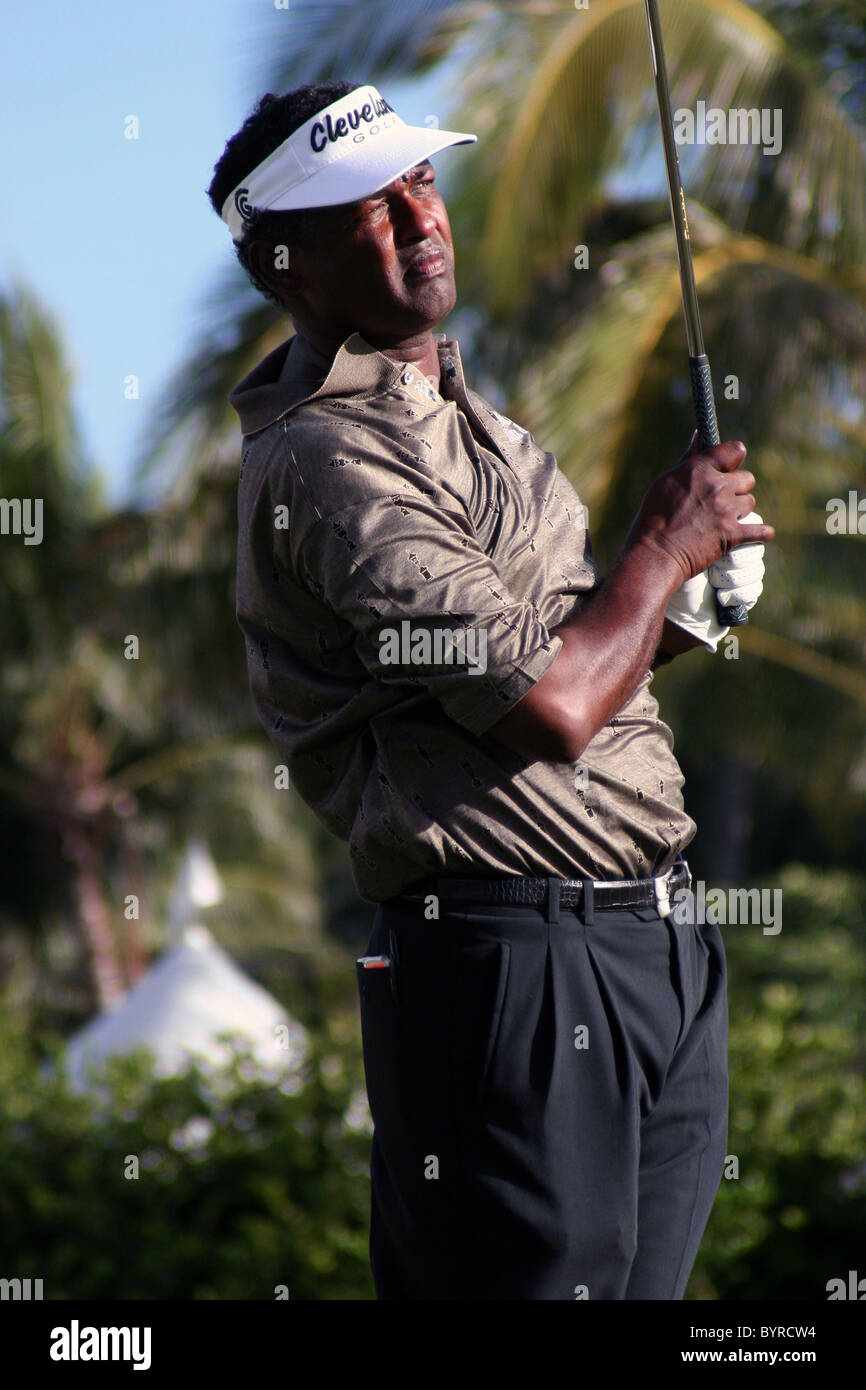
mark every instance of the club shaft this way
{"type": "Point", "coordinates": [699, 366]}
{"type": "Point", "coordinates": [694, 334]}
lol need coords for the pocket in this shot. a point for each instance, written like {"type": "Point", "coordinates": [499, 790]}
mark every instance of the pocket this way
{"type": "Point", "coordinates": [480, 980]}
{"type": "Point", "coordinates": [380, 1042]}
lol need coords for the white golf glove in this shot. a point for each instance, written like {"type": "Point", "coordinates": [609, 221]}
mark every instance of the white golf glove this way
{"type": "Point", "coordinates": [737, 578]}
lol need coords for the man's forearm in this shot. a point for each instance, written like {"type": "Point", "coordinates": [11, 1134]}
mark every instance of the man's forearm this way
{"type": "Point", "coordinates": [607, 647]}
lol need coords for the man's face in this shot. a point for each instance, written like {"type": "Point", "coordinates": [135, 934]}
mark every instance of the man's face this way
{"type": "Point", "coordinates": [383, 267]}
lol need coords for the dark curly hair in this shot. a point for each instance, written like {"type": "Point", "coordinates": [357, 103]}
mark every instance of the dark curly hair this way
{"type": "Point", "coordinates": [273, 121]}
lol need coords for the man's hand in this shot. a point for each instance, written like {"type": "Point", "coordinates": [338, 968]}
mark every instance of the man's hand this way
{"type": "Point", "coordinates": [693, 513]}
{"type": "Point", "coordinates": [738, 578]}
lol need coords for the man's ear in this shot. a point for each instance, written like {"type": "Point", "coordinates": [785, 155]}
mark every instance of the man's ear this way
{"type": "Point", "coordinates": [279, 266]}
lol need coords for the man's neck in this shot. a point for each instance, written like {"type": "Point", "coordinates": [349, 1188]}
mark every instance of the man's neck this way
{"type": "Point", "coordinates": [419, 351]}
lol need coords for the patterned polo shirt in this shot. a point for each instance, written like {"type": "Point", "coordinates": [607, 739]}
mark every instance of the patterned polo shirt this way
{"type": "Point", "coordinates": [403, 554]}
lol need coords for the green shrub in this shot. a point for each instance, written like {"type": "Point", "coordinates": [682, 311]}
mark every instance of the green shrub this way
{"type": "Point", "coordinates": [243, 1187]}
{"type": "Point", "coordinates": [240, 1188]}
{"type": "Point", "coordinates": [796, 1215]}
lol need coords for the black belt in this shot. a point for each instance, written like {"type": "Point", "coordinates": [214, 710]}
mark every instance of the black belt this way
{"type": "Point", "coordinates": [532, 892]}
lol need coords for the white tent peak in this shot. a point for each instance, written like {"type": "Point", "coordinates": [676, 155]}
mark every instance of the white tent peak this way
{"type": "Point", "coordinates": [197, 884]}
{"type": "Point", "coordinates": [193, 993]}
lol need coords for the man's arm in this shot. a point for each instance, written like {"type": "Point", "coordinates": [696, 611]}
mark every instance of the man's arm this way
{"type": "Point", "coordinates": [689, 518]}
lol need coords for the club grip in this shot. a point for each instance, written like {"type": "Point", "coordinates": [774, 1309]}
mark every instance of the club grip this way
{"type": "Point", "coordinates": [736, 614]}
{"type": "Point", "coordinates": [705, 406]}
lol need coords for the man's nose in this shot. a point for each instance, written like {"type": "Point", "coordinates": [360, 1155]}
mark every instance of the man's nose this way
{"type": "Point", "coordinates": [413, 220]}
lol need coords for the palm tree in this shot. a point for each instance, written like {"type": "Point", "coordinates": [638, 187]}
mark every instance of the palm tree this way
{"type": "Point", "coordinates": [108, 764]}
{"type": "Point", "coordinates": [51, 749]}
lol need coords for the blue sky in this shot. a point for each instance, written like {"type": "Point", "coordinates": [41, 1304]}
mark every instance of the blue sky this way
{"type": "Point", "coordinates": [116, 236]}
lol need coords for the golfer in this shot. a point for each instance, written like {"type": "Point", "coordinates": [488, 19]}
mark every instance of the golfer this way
{"type": "Point", "coordinates": [459, 694]}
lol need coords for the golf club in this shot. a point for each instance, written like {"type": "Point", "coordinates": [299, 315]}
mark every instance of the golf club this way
{"type": "Point", "coordinates": [736, 614]}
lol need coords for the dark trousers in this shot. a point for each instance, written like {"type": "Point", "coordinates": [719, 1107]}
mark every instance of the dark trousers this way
{"type": "Point", "coordinates": [549, 1099]}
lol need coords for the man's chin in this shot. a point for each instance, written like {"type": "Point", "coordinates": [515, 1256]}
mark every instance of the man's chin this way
{"type": "Point", "coordinates": [411, 317]}
{"type": "Point", "coordinates": [432, 301]}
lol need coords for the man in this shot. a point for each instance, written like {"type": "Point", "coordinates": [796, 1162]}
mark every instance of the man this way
{"type": "Point", "coordinates": [458, 694]}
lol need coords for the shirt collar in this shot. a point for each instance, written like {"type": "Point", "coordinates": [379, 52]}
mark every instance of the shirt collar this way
{"type": "Point", "coordinates": [293, 374]}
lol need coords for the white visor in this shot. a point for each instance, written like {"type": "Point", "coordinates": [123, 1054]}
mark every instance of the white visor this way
{"type": "Point", "coordinates": [344, 153]}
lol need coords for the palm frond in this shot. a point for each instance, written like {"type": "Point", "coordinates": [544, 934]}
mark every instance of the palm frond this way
{"type": "Point", "coordinates": [40, 447]}
{"type": "Point", "coordinates": [581, 108]}
{"type": "Point", "coordinates": [339, 39]}
{"type": "Point", "coordinates": [195, 428]}
{"type": "Point", "coordinates": [788, 328]}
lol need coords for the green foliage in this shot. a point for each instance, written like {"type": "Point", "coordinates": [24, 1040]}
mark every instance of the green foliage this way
{"type": "Point", "coordinates": [796, 1215]}
{"type": "Point", "coordinates": [243, 1185]}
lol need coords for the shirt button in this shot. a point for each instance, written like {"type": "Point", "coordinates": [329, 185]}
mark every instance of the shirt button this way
{"type": "Point", "coordinates": [407, 377]}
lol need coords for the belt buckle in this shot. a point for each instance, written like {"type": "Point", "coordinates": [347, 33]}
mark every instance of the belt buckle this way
{"type": "Point", "coordinates": [661, 886]}
{"type": "Point", "coordinates": [662, 896]}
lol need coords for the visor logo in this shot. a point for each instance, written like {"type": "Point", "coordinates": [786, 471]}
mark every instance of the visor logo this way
{"type": "Point", "coordinates": [242, 203]}
{"type": "Point", "coordinates": [329, 131]}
